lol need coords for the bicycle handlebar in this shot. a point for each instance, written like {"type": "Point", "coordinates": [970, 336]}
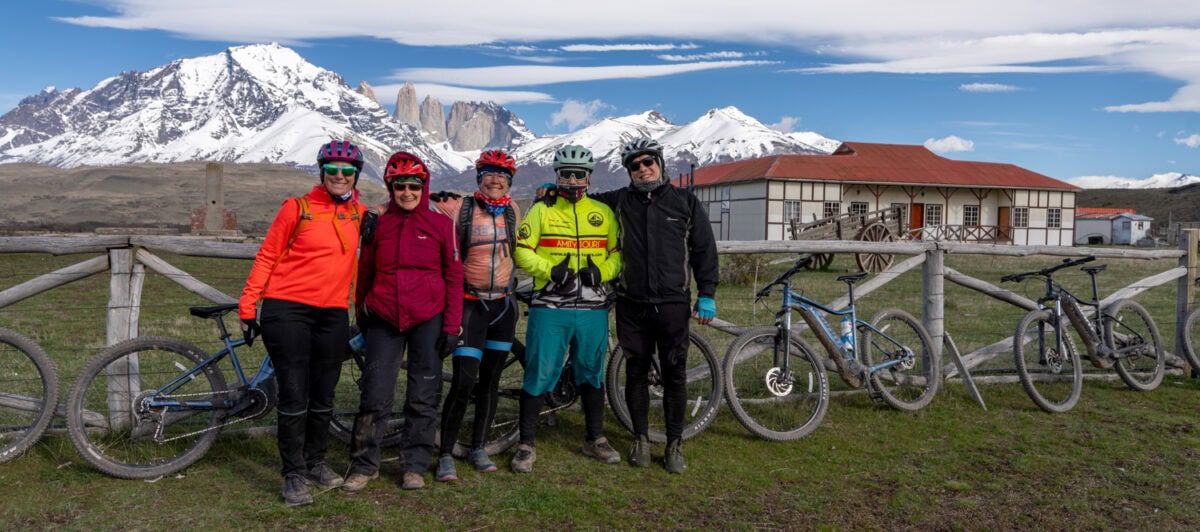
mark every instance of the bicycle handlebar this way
{"type": "Point", "coordinates": [801, 262]}
{"type": "Point", "coordinates": [1045, 272]}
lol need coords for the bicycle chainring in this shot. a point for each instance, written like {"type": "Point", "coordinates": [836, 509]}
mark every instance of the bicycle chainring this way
{"type": "Point", "coordinates": [777, 383]}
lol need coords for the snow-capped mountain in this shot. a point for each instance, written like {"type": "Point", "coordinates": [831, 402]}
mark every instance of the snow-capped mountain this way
{"type": "Point", "coordinates": [257, 103]}
{"type": "Point", "coordinates": [1167, 180]}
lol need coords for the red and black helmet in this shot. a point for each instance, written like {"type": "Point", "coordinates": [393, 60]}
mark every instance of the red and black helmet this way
{"type": "Point", "coordinates": [497, 158]}
{"type": "Point", "coordinates": [403, 163]}
{"type": "Point", "coordinates": [340, 150]}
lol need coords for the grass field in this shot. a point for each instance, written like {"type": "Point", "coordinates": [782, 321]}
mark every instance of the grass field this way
{"type": "Point", "coordinates": [1120, 459]}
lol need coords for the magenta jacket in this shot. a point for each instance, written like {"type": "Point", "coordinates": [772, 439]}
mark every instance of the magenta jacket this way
{"type": "Point", "coordinates": [411, 271]}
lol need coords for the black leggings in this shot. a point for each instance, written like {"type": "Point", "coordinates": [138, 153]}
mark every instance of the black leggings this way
{"type": "Point", "coordinates": [488, 330]}
{"type": "Point", "coordinates": [306, 345]}
{"type": "Point", "coordinates": [641, 330]}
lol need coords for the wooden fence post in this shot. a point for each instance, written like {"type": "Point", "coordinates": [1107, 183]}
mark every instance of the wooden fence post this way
{"type": "Point", "coordinates": [1187, 288]}
{"type": "Point", "coordinates": [124, 297]}
{"type": "Point", "coordinates": [933, 293]}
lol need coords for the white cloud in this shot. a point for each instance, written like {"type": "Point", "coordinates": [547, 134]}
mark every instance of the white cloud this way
{"type": "Point", "coordinates": [1192, 142]}
{"type": "Point", "coordinates": [448, 94]}
{"type": "Point", "coordinates": [575, 113]}
{"type": "Point", "coordinates": [949, 144]}
{"type": "Point", "coordinates": [626, 47]}
{"type": "Point", "coordinates": [528, 75]}
{"type": "Point", "coordinates": [786, 124]}
{"type": "Point", "coordinates": [702, 57]}
{"type": "Point", "coordinates": [988, 87]}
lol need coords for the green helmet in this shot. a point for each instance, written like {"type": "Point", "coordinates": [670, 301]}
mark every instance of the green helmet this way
{"type": "Point", "coordinates": [573, 156]}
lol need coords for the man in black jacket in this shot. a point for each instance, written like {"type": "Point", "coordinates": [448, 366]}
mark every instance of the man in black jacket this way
{"type": "Point", "coordinates": [665, 240]}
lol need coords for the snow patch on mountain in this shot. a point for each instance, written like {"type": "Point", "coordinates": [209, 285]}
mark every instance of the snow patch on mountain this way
{"type": "Point", "coordinates": [1167, 180]}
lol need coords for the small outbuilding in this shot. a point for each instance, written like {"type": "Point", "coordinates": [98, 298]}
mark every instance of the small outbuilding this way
{"type": "Point", "coordinates": [1110, 226]}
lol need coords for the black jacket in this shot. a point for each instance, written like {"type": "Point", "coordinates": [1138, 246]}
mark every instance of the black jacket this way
{"type": "Point", "coordinates": [665, 240]}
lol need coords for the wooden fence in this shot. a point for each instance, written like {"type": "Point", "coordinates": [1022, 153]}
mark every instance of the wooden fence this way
{"type": "Point", "coordinates": [126, 257]}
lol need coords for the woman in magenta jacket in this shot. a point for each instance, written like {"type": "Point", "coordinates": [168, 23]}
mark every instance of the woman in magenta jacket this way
{"type": "Point", "coordinates": [410, 289]}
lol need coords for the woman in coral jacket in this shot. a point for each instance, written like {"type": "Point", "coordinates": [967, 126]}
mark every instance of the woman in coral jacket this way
{"type": "Point", "coordinates": [410, 295]}
{"type": "Point", "coordinates": [303, 274]}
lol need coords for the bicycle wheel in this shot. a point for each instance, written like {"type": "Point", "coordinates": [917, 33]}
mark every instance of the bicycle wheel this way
{"type": "Point", "coordinates": [704, 390]}
{"type": "Point", "coordinates": [1191, 340]}
{"type": "Point", "coordinates": [111, 428]}
{"type": "Point", "coordinates": [909, 385]}
{"type": "Point", "coordinates": [1129, 329]}
{"type": "Point", "coordinates": [502, 433]}
{"type": "Point", "coordinates": [28, 393]}
{"type": "Point", "coordinates": [773, 405]}
{"type": "Point", "coordinates": [1053, 378]}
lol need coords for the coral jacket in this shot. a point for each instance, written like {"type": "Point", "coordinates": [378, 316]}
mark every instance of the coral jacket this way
{"type": "Point", "coordinates": [318, 268]}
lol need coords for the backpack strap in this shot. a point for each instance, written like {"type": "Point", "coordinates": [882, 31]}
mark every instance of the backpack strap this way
{"type": "Point", "coordinates": [464, 226]}
{"type": "Point", "coordinates": [301, 221]}
{"type": "Point", "coordinates": [510, 229]}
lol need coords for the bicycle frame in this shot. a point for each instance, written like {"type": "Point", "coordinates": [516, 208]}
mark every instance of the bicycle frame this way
{"type": "Point", "coordinates": [1072, 306]}
{"type": "Point", "coordinates": [161, 398]}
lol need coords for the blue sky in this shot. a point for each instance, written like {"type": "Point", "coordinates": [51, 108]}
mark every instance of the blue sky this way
{"type": "Point", "coordinates": [1068, 88]}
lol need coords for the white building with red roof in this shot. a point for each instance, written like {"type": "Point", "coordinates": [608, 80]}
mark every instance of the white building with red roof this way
{"type": "Point", "coordinates": [938, 198]}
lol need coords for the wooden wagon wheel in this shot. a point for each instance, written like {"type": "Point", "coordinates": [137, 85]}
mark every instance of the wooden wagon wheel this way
{"type": "Point", "coordinates": [820, 261]}
{"type": "Point", "coordinates": [875, 262]}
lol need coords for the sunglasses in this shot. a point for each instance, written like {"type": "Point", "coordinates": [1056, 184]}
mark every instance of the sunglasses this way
{"type": "Point", "coordinates": [577, 175]}
{"type": "Point", "coordinates": [333, 169]}
{"type": "Point", "coordinates": [409, 186]}
{"type": "Point", "coordinates": [641, 163]}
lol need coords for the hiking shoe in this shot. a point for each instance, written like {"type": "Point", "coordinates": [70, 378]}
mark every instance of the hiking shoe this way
{"type": "Point", "coordinates": [674, 461]}
{"type": "Point", "coordinates": [412, 481]}
{"type": "Point", "coordinates": [358, 481]}
{"type": "Point", "coordinates": [601, 450]}
{"type": "Point", "coordinates": [323, 476]}
{"type": "Point", "coordinates": [522, 462]}
{"type": "Point", "coordinates": [639, 456]}
{"type": "Point", "coordinates": [295, 492]}
{"type": "Point", "coordinates": [480, 461]}
{"type": "Point", "coordinates": [445, 469]}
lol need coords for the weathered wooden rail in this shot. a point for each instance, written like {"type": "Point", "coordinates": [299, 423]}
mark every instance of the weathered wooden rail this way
{"type": "Point", "coordinates": [126, 257]}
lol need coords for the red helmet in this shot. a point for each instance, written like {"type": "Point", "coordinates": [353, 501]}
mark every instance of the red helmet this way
{"type": "Point", "coordinates": [403, 163]}
{"type": "Point", "coordinates": [496, 158]}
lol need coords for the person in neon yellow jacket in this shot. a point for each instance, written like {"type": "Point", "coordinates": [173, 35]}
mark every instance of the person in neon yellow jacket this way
{"type": "Point", "coordinates": [571, 250]}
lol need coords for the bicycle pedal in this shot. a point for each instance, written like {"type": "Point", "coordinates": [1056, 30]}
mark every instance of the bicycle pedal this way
{"type": "Point", "coordinates": [873, 392]}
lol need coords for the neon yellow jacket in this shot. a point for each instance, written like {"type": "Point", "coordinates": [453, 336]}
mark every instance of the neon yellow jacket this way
{"type": "Point", "coordinates": [578, 231]}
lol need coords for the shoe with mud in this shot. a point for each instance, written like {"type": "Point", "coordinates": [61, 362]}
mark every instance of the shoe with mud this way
{"type": "Point", "coordinates": [522, 462]}
{"type": "Point", "coordinates": [602, 451]}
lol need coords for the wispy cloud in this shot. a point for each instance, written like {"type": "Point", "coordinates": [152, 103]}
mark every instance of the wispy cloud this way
{"type": "Point", "coordinates": [786, 124]}
{"type": "Point", "coordinates": [988, 87]}
{"type": "Point", "coordinates": [1192, 141]}
{"type": "Point", "coordinates": [703, 57]}
{"type": "Point", "coordinates": [531, 75]}
{"type": "Point", "coordinates": [575, 113]}
{"type": "Point", "coordinates": [949, 144]}
{"type": "Point", "coordinates": [448, 94]}
{"type": "Point", "coordinates": [626, 47]}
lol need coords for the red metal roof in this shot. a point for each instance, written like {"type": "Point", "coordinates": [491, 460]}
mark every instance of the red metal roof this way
{"type": "Point", "coordinates": [862, 162]}
{"type": "Point", "coordinates": [1080, 211]}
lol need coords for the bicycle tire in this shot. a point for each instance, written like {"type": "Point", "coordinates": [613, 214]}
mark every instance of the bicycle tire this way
{"type": "Point", "coordinates": [28, 393]}
{"type": "Point", "coordinates": [1053, 380]}
{"type": "Point", "coordinates": [1191, 340]}
{"type": "Point", "coordinates": [907, 389]}
{"type": "Point", "coordinates": [748, 363]}
{"type": "Point", "coordinates": [94, 414]}
{"type": "Point", "coordinates": [704, 387]}
{"type": "Point", "coordinates": [346, 400]}
{"type": "Point", "coordinates": [1127, 328]}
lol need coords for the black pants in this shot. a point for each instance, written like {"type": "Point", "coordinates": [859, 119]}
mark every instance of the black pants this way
{"type": "Point", "coordinates": [306, 346]}
{"type": "Point", "coordinates": [385, 348]}
{"type": "Point", "coordinates": [488, 330]}
{"type": "Point", "coordinates": [643, 329]}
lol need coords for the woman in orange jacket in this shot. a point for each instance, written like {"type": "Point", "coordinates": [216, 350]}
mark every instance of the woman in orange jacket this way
{"type": "Point", "coordinates": [304, 274]}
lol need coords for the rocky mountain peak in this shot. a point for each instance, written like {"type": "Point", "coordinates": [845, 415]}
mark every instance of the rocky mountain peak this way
{"type": "Point", "coordinates": [365, 89]}
{"type": "Point", "coordinates": [406, 105]}
{"type": "Point", "coordinates": [433, 119]}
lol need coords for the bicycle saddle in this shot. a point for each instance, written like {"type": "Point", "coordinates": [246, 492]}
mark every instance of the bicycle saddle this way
{"type": "Point", "coordinates": [1094, 269]}
{"type": "Point", "coordinates": [212, 312]}
{"type": "Point", "coordinates": [853, 277]}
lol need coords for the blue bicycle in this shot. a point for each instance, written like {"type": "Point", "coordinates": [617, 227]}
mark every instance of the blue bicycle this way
{"type": "Point", "coordinates": [776, 384]}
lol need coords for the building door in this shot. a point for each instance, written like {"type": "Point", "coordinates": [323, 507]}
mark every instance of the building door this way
{"type": "Point", "coordinates": [916, 220]}
{"type": "Point", "coordinates": [1003, 223]}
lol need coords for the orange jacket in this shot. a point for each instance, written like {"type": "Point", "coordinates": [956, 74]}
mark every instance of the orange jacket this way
{"type": "Point", "coordinates": [487, 267]}
{"type": "Point", "coordinates": [319, 267]}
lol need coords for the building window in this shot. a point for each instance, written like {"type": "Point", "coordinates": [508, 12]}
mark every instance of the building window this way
{"type": "Point", "coordinates": [1020, 216]}
{"type": "Point", "coordinates": [859, 207]}
{"type": "Point", "coordinates": [791, 210]}
{"type": "Point", "coordinates": [971, 215]}
{"type": "Point", "coordinates": [902, 210]}
{"type": "Point", "coordinates": [933, 214]}
{"type": "Point", "coordinates": [1054, 217]}
{"type": "Point", "coordinates": [1140, 226]}
{"type": "Point", "coordinates": [833, 208]}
